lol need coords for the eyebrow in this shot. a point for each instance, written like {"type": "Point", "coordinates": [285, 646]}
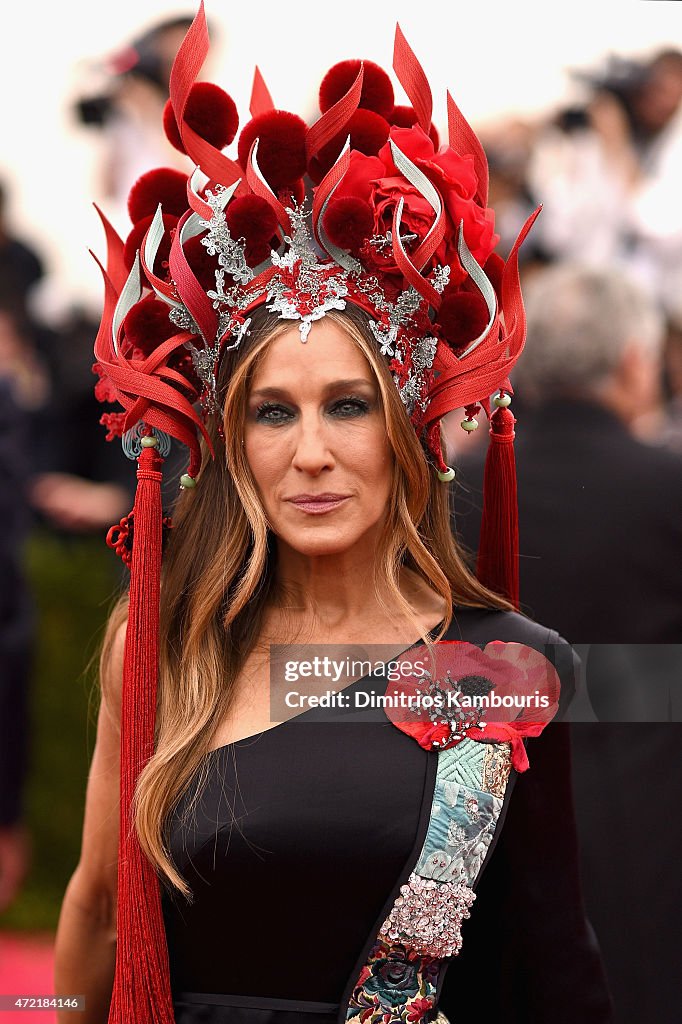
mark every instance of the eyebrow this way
{"type": "Point", "coordinates": [333, 386]}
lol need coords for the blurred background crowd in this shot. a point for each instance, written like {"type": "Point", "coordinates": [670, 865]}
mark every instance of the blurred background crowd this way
{"type": "Point", "coordinates": [599, 453]}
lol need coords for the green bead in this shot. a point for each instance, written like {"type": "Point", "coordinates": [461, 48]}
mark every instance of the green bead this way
{"type": "Point", "coordinates": [447, 476]}
{"type": "Point", "coordinates": [187, 482]}
{"type": "Point", "coordinates": [469, 424]}
{"type": "Point", "coordinates": [149, 441]}
{"type": "Point", "coordinates": [502, 401]}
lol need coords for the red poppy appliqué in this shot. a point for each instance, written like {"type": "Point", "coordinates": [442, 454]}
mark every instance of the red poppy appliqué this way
{"type": "Point", "coordinates": [503, 693]}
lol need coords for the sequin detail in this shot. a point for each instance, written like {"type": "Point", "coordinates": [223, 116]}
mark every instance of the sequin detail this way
{"type": "Point", "coordinates": [428, 915]}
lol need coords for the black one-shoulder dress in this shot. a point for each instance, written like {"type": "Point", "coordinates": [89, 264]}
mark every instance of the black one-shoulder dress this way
{"type": "Point", "coordinates": [302, 837]}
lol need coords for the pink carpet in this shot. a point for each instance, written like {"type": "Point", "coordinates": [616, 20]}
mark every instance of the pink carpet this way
{"type": "Point", "coordinates": [26, 970]}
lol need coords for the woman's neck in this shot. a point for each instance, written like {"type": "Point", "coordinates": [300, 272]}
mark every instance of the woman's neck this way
{"type": "Point", "coordinates": [334, 599]}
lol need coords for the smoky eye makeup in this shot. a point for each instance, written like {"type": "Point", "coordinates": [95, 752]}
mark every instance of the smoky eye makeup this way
{"type": "Point", "coordinates": [273, 413]}
{"type": "Point", "coordinates": [348, 406]}
{"type": "Point", "coordinates": [341, 407]}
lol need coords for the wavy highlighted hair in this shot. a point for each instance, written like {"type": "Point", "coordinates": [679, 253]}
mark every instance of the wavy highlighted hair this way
{"type": "Point", "coordinates": [219, 575]}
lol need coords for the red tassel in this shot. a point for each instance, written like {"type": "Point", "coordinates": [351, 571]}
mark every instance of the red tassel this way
{"type": "Point", "coordinates": [498, 551]}
{"type": "Point", "coordinates": [142, 990]}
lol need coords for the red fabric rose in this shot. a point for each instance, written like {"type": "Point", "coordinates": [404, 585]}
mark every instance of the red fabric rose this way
{"type": "Point", "coordinates": [378, 181]}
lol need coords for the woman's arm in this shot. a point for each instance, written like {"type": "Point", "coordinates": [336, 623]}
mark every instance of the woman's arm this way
{"type": "Point", "coordinates": [85, 952]}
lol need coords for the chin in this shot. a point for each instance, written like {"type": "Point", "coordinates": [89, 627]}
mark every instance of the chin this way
{"type": "Point", "coordinates": [320, 544]}
{"type": "Point", "coordinates": [316, 538]}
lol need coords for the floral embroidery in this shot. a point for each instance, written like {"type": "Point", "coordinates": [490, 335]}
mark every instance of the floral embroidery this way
{"type": "Point", "coordinates": [464, 813]}
{"type": "Point", "coordinates": [396, 986]}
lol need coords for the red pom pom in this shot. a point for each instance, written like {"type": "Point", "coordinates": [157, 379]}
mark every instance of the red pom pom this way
{"type": "Point", "coordinates": [210, 112]}
{"type": "Point", "coordinates": [368, 133]}
{"type": "Point", "coordinates": [147, 326]}
{"type": "Point", "coordinates": [281, 148]}
{"type": "Point", "coordinates": [170, 127]}
{"type": "Point", "coordinates": [348, 222]}
{"type": "Point", "coordinates": [254, 220]}
{"type": "Point", "coordinates": [377, 90]}
{"type": "Point", "coordinates": [163, 185]}
{"type": "Point", "coordinates": [493, 269]}
{"type": "Point", "coordinates": [405, 117]}
{"type": "Point", "coordinates": [201, 264]}
{"type": "Point", "coordinates": [461, 317]}
{"type": "Point", "coordinates": [134, 242]}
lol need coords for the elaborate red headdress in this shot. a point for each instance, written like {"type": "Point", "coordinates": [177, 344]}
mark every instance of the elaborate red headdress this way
{"type": "Point", "coordinates": [363, 208]}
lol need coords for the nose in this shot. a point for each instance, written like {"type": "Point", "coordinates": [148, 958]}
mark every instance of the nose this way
{"type": "Point", "coordinates": [312, 453]}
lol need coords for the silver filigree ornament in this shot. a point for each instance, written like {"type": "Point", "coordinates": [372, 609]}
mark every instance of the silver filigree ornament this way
{"type": "Point", "coordinates": [440, 278]}
{"type": "Point", "coordinates": [428, 916]}
{"type": "Point", "coordinates": [183, 320]}
{"type": "Point", "coordinates": [219, 242]}
{"type": "Point", "coordinates": [412, 391]}
{"type": "Point", "coordinates": [368, 285]}
{"type": "Point", "coordinates": [385, 241]}
{"type": "Point", "coordinates": [231, 255]}
{"type": "Point", "coordinates": [204, 360]}
{"type": "Point", "coordinates": [306, 289]}
{"type": "Point", "coordinates": [399, 314]}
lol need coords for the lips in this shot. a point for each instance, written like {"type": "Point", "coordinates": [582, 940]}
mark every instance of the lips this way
{"type": "Point", "coordinates": [316, 504]}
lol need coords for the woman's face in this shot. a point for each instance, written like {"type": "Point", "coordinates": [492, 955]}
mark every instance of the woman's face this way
{"type": "Point", "coordinates": [315, 439]}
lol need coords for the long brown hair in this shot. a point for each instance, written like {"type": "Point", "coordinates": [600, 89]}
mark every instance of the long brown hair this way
{"type": "Point", "coordinates": [218, 576]}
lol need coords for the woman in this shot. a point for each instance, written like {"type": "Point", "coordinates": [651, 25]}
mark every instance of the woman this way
{"type": "Point", "coordinates": [317, 874]}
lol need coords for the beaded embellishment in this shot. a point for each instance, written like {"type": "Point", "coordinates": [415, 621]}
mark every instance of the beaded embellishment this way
{"type": "Point", "coordinates": [429, 915]}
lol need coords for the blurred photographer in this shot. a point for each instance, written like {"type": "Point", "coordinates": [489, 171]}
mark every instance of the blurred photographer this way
{"type": "Point", "coordinates": [595, 161]}
{"type": "Point", "coordinates": [127, 110]}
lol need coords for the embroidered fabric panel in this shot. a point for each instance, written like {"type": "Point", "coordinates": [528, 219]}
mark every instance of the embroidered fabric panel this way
{"type": "Point", "coordinates": [399, 981]}
{"type": "Point", "coordinates": [465, 810]}
{"type": "Point", "coordinates": [396, 986]}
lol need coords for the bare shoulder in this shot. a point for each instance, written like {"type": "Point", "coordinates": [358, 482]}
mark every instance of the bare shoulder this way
{"type": "Point", "coordinates": [111, 671]}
